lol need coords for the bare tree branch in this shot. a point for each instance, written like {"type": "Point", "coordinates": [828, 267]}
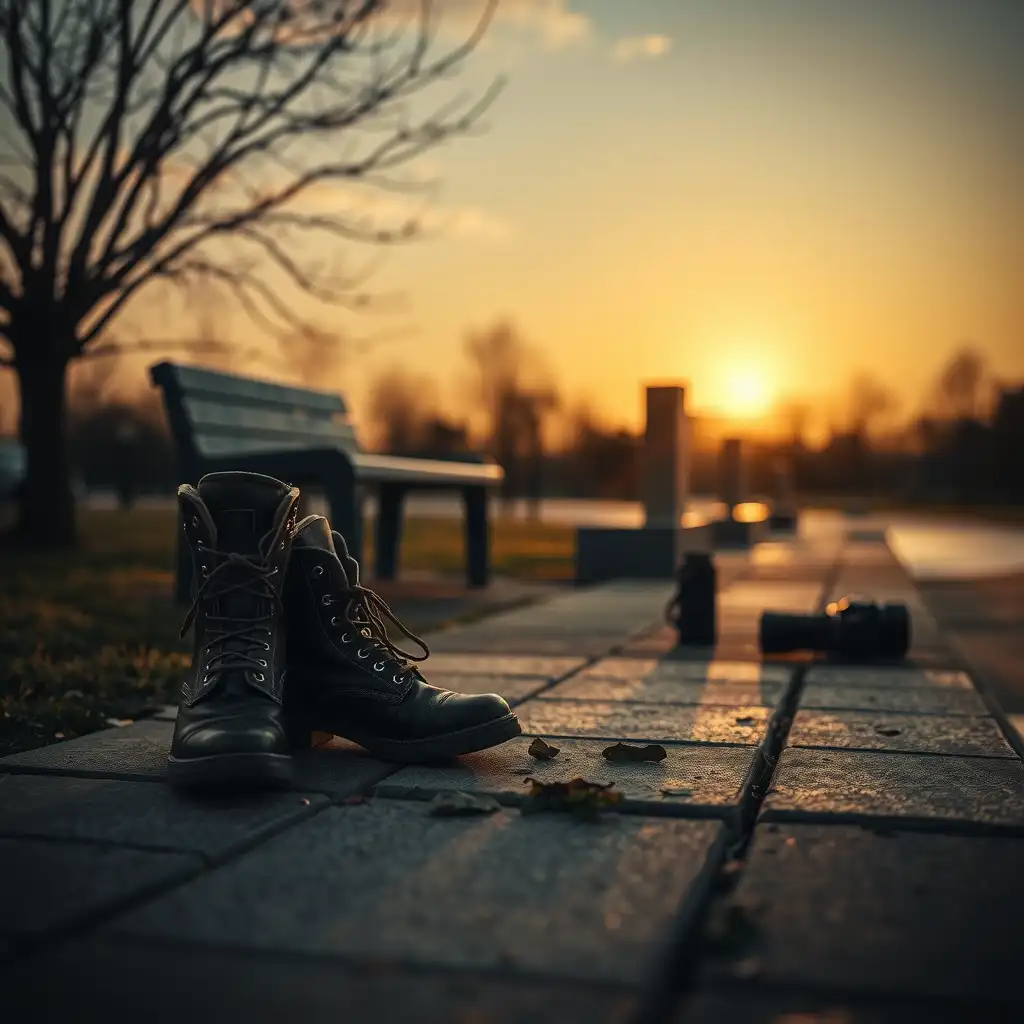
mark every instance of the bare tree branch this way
{"type": "Point", "coordinates": [155, 130]}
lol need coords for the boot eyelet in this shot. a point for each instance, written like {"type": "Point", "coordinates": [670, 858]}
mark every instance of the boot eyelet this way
{"type": "Point", "coordinates": [205, 571]}
{"type": "Point", "coordinates": [379, 666]}
{"type": "Point", "coordinates": [318, 570]}
{"type": "Point", "coordinates": [259, 677]}
{"type": "Point", "coordinates": [334, 620]}
{"type": "Point", "coordinates": [326, 599]}
{"type": "Point", "coordinates": [345, 637]}
{"type": "Point", "coordinates": [396, 679]}
{"type": "Point", "coordinates": [360, 653]}
{"type": "Point", "coordinates": [263, 664]}
{"type": "Point", "coordinates": [266, 647]}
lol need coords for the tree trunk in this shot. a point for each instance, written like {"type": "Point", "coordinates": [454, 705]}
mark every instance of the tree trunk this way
{"type": "Point", "coordinates": [47, 507]}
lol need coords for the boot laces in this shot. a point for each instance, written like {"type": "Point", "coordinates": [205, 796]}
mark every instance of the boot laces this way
{"type": "Point", "coordinates": [370, 614]}
{"type": "Point", "coordinates": [247, 633]}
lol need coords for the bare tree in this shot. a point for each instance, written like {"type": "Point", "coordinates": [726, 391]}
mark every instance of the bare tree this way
{"type": "Point", "coordinates": [511, 387]}
{"type": "Point", "coordinates": [869, 400]}
{"type": "Point", "coordinates": [401, 405]}
{"type": "Point", "coordinates": [961, 383]}
{"type": "Point", "coordinates": [184, 141]}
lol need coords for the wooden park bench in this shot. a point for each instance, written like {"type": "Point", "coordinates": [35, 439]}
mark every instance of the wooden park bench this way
{"type": "Point", "coordinates": [221, 421]}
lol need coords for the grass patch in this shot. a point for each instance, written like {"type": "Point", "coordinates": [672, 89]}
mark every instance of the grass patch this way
{"type": "Point", "coordinates": [91, 636]}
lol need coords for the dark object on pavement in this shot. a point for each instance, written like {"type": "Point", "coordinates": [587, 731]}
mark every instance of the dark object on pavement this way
{"type": "Point", "coordinates": [625, 752]}
{"type": "Point", "coordinates": [579, 797]}
{"type": "Point", "coordinates": [346, 676]}
{"type": "Point", "coordinates": [852, 629]}
{"type": "Point", "coordinates": [692, 608]}
{"type": "Point", "coordinates": [542, 751]}
{"type": "Point", "coordinates": [230, 726]}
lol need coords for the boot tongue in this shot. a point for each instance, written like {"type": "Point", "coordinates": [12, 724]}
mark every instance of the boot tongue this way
{"type": "Point", "coordinates": [243, 506]}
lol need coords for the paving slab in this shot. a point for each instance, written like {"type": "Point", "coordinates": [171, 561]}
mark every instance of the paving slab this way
{"type": "Point", "coordinates": [696, 670]}
{"type": "Point", "coordinates": [691, 780]}
{"type": "Point", "coordinates": [93, 983]}
{"type": "Point", "coordinates": [927, 734]}
{"type": "Point", "coordinates": [880, 912]}
{"type": "Point", "coordinates": [562, 645]}
{"type": "Point", "coordinates": [925, 700]}
{"type": "Point", "coordinates": [143, 815]}
{"type": "Point", "coordinates": [139, 752]}
{"type": "Point", "coordinates": [651, 723]}
{"type": "Point", "coordinates": [755, 596]}
{"type": "Point", "coordinates": [977, 792]}
{"type": "Point", "coordinates": [667, 691]}
{"type": "Point", "coordinates": [904, 676]}
{"type": "Point", "coordinates": [504, 665]}
{"type": "Point", "coordinates": [51, 885]}
{"type": "Point", "coordinates": [136, 751]}
{"type": "Point", "coordinates": [754, 1004]}
{"type": "Point", "coordinates": [386, 881]}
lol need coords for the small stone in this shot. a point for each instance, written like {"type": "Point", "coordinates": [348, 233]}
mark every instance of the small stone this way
{"type": "Point", "coordinates": [542, 751]}
{"type": "Point", "coordinates": [457, 804]}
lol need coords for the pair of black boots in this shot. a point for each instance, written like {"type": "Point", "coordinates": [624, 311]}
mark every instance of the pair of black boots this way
{"type": "Point", "coordinates": [287, 642]}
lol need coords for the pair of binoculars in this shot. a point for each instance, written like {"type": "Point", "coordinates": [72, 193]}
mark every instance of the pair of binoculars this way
{"type": "Point", "coordinates": [852, 629]}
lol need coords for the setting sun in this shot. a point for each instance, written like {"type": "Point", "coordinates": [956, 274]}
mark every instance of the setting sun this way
{"type": "Point", "coordinates": [746, 393]}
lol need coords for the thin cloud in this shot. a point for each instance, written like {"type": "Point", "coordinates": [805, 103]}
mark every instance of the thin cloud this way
{"type": "Point", "coordinates": [647, 47]}
{"type": "Point", "coordinates": [550, 21]}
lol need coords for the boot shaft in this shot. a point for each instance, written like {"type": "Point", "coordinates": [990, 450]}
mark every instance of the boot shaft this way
{"type": "Point", "coordinates": [239, 528]}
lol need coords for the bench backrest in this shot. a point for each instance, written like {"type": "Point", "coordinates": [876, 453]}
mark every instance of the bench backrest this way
{"type": "Point", "coordinates": [214, 414]}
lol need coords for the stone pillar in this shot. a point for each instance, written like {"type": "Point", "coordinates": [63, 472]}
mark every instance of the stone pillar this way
{"type": "Point", "coordinates": [732, 483]}
{"type": "Point", "coordinates": [665, 457]}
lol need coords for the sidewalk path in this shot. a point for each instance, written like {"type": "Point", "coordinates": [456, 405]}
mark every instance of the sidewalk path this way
{"type": "Point", "coordinates": [817, 840]}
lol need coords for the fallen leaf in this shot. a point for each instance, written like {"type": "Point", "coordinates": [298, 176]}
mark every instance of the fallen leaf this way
{"type": "Point", "coordinates": [542, 751]}
{"type": "Point", "coordinates": [584, 799]}
{"type": "Point", "coordinates": [677, 792]}
{"type": "Point", "coordinates": [624, 752]}
{"type": "Point", "coordinates": [119, 723]}
{"type": "Point", "coordinates": [457, 805]}
{"type": "Point", "coordinates": [887, 732]}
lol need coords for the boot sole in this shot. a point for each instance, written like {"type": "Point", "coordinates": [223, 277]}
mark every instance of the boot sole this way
{"type": "Point", "coordinates": [239, 771]}
{"type": "Point", "coordinates": [434, 748]}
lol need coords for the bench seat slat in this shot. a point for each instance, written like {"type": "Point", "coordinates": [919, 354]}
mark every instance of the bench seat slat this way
{"type": "Point", "coordinates": [194, 380]}
{"type": "Point", "coordinates": [246, 422]}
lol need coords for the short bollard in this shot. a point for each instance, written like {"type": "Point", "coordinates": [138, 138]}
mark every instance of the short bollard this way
{"type": "Point", "coordinates": [692, 608]}
{"type": "Point", "coordinates": [852, 629]}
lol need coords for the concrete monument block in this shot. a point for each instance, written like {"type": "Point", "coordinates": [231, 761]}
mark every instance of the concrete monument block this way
{"type": "Point", "coordinates": [665, 456]}
{"type": "Point", "coordinates": [732, 482]}
{"type": "Point", "coordinates": [654, 551]}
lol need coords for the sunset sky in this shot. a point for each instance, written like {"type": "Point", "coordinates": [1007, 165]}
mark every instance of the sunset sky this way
{"type": "Point", "coordinates": [790, 191]}
{"type": "Point", "coordinates": [762, 197]}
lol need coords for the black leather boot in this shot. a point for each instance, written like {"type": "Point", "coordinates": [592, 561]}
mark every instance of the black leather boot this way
{"type": "Point", "coordinates": [230, 726]}
{"type": "Point", "coordinates": [346, 676]}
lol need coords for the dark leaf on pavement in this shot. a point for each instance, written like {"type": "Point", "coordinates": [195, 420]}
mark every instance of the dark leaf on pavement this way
{"type": "Point", "coordinates": [579, 797]}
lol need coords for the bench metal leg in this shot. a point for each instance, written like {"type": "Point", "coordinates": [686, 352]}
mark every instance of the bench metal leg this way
{"type": "Point", "coordinates": [388, 533]}
{"type": "Point", "coordinates": [477, 537]}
